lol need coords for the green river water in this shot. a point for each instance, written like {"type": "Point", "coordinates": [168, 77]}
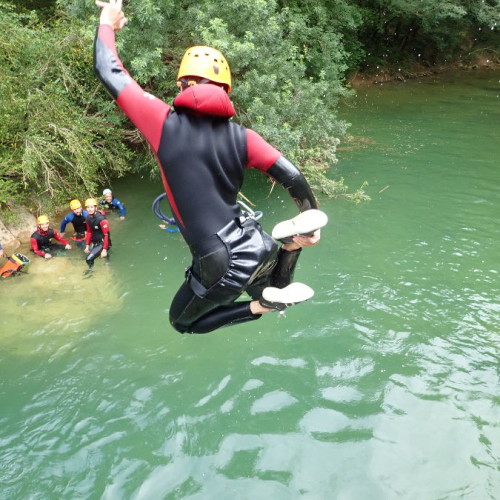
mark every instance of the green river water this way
{"type": "Point", "coordinates": [386, 385]}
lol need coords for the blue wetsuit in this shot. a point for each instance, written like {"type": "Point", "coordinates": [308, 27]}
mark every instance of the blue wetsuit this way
{"type": "Point", "coordinates": [115, 204]}
{"type": "Point", "coordinates": [78, 222]}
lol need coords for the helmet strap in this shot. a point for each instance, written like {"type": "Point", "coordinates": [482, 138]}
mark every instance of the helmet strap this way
{"type": "Point", "coordinates": [186, 82]}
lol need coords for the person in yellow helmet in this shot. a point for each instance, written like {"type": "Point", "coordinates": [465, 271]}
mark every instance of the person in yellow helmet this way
{"type": "Point", "coordinates": [77, 218]}
{"type": "Point", "coordinates": [41, 240]}
{"type": "Point", "coordinates": [202, 64]}
{"type": "Point", "coordinates": [203, 156]}
{"type": "Point", "coordinates": [97, 235]}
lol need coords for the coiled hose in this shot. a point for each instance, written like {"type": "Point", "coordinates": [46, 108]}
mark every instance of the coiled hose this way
{"type": "Point", "coordinates": [159, 213]}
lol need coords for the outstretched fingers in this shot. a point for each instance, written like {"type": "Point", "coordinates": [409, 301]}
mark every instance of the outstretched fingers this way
{"type": "Point", "coordinates": [117, 4]}
{"type": "Point", "coordinates": [112, 14]}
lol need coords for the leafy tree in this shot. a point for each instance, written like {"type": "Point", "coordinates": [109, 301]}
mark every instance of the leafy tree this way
{"type": "Point", "coordinates": [290, 101]}
{"type": "Point", "coordinates": [54, 144]}
{"type": "Point", "coordinates": [399, 31]}
{"type": "Point", "coordinates": [61, 135]}
{"type": "Point", "coordinates": [273, 92]}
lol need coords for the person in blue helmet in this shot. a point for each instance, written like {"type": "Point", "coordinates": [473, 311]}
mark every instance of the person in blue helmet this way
{"type": "Point", "coordinates": [112, 203]}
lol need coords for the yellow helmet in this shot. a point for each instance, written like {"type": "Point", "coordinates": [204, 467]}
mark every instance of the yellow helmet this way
{"type": "Point", "coordinates": [43, 219]}
{"type": "Point", "coordinates": [205, 62]}
{"type": "Point", "coordinates": [74, 204]}
{"type": "Point", "coordinates": [90, 202]}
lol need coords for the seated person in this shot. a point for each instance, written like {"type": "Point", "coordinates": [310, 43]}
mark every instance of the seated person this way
{"type": "Point", "coordinates": [41, 242]}
{"type": "Point", "coordinates": [111, 203]}
{"type": "Point", "coordinates": [76, 217]}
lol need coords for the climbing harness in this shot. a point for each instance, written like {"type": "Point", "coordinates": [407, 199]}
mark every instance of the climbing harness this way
{"type": "Point", "coordinates": [248, 212]}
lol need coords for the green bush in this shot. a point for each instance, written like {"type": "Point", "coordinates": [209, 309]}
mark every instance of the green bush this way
{"type": "Point", "coordinates": [55, 144]}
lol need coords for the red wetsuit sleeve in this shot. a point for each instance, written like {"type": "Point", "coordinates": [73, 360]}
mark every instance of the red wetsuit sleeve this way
{"type": "Point", "coordinates": [145, 111]}
{"type": "Point", "coordinates": [261, 155]}
{"type": "Point", "coordinates": [264, 157]}
{"type": "Point", "coordinates": [59, 238]}
{"type": "Point", "coordinates": [105, 231]}
{"type": "Point", "coordinates": [34, 247]}
{"type": "Point", "coordinates": [88, 234]}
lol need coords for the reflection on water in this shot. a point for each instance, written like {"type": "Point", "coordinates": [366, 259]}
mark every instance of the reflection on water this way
{"type": "Point", "coordinates": [384, 386]}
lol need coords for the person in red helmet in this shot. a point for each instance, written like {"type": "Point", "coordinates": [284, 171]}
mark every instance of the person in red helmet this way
{"type": "Point", "coordinates": [202, 157]}
{"type": "Point", "coordinates": [41, 240]}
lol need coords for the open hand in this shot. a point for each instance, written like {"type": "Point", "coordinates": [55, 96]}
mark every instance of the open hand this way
{"type": "Point", "coordinates": [303, 241]}
{"type": "Point", "coordinates": [308, 241]}
{"type": "Point", "coordinates": [112, 14]}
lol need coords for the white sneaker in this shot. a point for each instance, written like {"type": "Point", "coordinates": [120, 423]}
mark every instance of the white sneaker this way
{"type": "Point", "coordinates": [303, 224]}
{"type": "Point", "coordinates": [280, 298]}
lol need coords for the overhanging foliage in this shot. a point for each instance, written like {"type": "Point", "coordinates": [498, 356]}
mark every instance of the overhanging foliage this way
{"type": "Point", "coordinates": [61, 135]}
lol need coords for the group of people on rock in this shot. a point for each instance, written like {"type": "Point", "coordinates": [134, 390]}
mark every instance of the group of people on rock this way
{"type": "Point", "coordinates": [90, 226]}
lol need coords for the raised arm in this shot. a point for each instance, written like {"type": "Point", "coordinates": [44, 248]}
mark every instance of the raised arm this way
{"type": "Point", "coordinates": [146, 111]}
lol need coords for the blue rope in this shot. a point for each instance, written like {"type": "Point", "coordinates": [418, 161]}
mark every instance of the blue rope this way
{"type": "Point", "coordinates": [159, 213]}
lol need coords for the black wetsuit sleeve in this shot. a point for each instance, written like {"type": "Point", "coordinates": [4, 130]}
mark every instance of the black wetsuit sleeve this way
{"type": "Point", "coordinates": [107, 65]}
{"type": "Point", "coordinates": [291, 178]}
{"type": "Point", "coordinates": [145, 111]}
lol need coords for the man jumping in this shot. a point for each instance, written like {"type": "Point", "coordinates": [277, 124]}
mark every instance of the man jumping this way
{"type": "Point", "coordinates": [202, 157]}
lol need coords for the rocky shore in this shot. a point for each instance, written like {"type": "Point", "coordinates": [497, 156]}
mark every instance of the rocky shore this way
{"type": "Point", "coordinates": [17, 234]}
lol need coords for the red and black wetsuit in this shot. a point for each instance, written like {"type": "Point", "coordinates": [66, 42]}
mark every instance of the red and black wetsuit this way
{"type": "Point", "coordinates": [202, 157]}
{"type": "Point", "coordinates": [41, 241]}
{"type": "Point", "coordinates": [97, 235]}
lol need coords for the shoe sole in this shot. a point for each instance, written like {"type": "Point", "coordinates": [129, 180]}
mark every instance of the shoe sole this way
{"type": "Point", "coordinates": [303, 224]}
{"type": "Point", "coordinates": [294, 293]}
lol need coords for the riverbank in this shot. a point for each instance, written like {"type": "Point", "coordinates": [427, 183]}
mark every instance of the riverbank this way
{"type": "Point", "coordinates": [16, 234]}
{"type": "Point", "coordinates": [380, 76]}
